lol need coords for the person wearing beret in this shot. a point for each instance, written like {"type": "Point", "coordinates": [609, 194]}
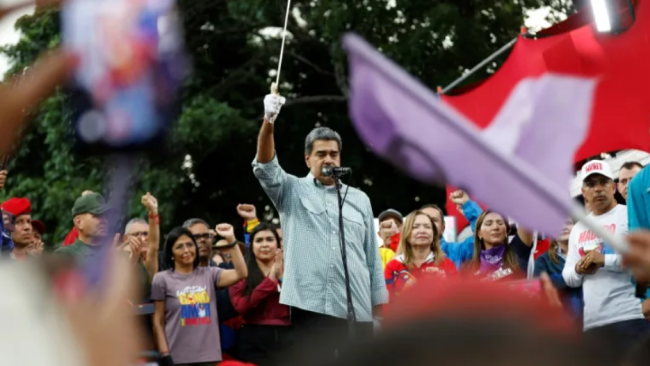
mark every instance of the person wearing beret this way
{"type": "Point", "coordinates": [88, 215]}
{"type": "Point", "coordinates": [19, 212]}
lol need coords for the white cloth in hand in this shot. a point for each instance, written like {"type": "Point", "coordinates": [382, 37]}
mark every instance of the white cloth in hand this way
{"type": "Point", "coordinates": [272, 105]}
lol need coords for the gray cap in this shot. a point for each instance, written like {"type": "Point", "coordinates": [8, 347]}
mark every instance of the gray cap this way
{"type": "Point", "coordinates": [390, 213]}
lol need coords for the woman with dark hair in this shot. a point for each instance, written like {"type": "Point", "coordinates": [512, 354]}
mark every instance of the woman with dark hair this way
{"type": "Point", "coordinates": [494, 257]}
{"type": "Point", "coordinates": [552, 263]}
{"type": "Point", "coordinates": [264, 332]}
{"type": "Point", "coordinates": [419, 255]}
{"type": "Point", "coordinates": [186, 325]}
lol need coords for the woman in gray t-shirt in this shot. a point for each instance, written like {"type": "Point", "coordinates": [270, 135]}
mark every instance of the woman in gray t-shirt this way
{"type": "Point", "coordinates": [186, 326]}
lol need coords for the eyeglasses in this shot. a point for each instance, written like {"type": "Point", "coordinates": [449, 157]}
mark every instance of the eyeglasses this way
{"type": "Point", "coordinates": [140, 233]}
{"type": "Point", "coordinates": [205, 236]}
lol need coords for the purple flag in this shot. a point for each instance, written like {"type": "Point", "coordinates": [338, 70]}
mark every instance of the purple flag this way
{"type": "Point", "coordinates": [521, 165]}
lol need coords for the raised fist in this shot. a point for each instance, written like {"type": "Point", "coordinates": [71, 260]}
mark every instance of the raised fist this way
{"type": "Point", "coordinates": [272, 105]}
{"type": "Point", "coordinates": [150, 203]}
{"type": "Point", "coordinates": [246, 211]}
{"type": "Point", "coordinates": [459, 197]}
{"type": "Point", "coordinates": [226, 231]}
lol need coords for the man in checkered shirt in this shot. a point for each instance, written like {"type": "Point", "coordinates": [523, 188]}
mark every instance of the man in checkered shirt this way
{"type": "Point", "coordinates": [313, 283]}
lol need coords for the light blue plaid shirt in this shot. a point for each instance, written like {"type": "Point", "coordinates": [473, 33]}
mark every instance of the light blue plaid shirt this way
{"type": "Point", "coordinates": [313, 269]}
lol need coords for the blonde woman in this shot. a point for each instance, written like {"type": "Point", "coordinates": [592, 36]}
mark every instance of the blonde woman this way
{"type": "Point", "coordinates": [420, 254]}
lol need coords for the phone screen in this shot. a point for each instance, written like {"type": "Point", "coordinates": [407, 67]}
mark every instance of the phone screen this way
{"type": "Point", "coordinates": [132, 62]}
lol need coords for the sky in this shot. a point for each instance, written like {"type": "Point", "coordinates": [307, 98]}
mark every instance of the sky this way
{"type": "Point", "coordinates": [7, 33]}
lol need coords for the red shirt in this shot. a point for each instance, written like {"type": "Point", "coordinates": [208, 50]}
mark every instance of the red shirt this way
{"type": "Point", "coordinates": [263, 306]}
{"type": "Point", "coordinates": [397, 274]}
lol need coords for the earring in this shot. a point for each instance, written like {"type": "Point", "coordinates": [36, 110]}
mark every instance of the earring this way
{"type": "Point", "coordinates": [173, 257]}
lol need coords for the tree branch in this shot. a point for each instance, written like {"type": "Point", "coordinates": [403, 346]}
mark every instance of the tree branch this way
{"type": "Point", "coordinates": [317, 99]}
{"type": "Point", "coordinates": [309, 63]}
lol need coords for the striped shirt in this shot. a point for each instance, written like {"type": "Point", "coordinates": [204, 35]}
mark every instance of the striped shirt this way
{"type": "Point", "coordinates": [313, 269]}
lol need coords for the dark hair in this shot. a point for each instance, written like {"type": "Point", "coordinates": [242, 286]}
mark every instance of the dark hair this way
{"type": "Point", "coordinates": [170, 240]}
{"type": "Point", "coordinates": [255, 275]}
{"type": "Point", "coordinates": [509, 257]}
{"type": "Point", "coordinates": [321, 133]}
{"type": "Point", "coordinates": [631, 165]}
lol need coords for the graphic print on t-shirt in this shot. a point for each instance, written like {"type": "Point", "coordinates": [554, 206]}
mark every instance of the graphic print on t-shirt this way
{"type": "Point", "coordinates": [588, 241]}
{"type": "Point", "coordinates": [195, 305]}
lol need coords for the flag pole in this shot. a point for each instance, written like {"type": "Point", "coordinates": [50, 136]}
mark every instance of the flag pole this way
{"type": "Point", "coordinates": [482, 64]}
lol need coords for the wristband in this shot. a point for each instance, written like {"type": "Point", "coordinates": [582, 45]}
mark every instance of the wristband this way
{"type": "Point", "coordinates": [227, 246]}
{"type": "Point", "coordinates": [250, 225]}
{"type": "Point", "coordinates": [156, 216]}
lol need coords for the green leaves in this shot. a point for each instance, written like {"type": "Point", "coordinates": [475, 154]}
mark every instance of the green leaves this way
{"type": "Point", "coordinates": [221, 105]}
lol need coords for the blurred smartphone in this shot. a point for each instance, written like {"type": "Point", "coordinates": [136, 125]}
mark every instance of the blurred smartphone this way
{"type": "Point", "coordinates": [132, 63]}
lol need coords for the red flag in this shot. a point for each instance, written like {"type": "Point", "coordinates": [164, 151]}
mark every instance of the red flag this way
{"type": "Point", "coordinates": [621, 109]}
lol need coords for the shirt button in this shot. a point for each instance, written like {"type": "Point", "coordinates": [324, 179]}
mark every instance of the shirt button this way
{"type": "Point", "coordinates": [334, 248]}
{"type": "Point", "coordinates": [334, 232]}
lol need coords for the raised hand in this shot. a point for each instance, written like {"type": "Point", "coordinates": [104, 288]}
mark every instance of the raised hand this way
{"type": "Point", "coordinates": [279, 263]}
{"type": "Point", "coordinates": [103, 322]}
{"type": "Point", "coordinates": [459, 197]}
{"type": "Point", "coordinates": [86, 192]}
{"type": "Point", "coordinates": [35, 248]}
{"type": "Point", "coordinates": [246, 211]}
{"type": "Point", "coordinates": [226, 231]}
{"type": "Point", "coordinates": [272, 105]}
{"type": "Point", "coordinates": [133, 245]}
{"type": "Point", "coordinates": [150, 203]}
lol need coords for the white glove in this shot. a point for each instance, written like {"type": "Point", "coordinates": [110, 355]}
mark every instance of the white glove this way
{"type": "Point", "coordinates": [272, 105]}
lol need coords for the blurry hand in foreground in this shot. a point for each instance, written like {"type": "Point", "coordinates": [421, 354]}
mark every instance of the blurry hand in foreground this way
{"type": "Point", "coordinates": [19, 95]}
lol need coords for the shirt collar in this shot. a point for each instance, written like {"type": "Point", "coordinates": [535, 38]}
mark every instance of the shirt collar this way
{"type": "Point", "coordinates": [430, 258]}
{"type": "Point", "coordinates": [318, 184]}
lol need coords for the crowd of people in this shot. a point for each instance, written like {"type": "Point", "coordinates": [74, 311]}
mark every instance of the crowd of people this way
{"type": "Point", "coordinates": [262, 298]}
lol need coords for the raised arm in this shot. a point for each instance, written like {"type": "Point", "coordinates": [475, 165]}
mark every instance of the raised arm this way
{"type": "Point", "coordinates": [265, 166]}
{"type": "Point", "coordinates": [231, 276]}
{"type": "Point", "coordinates": [470, 209]}
{"type": "Point", "coordinates": [525, 236]}
{"type": "Point", "coordinates": [153, 241]}
{"type": "Point", "coordinates": [265, 142]}
{"type": "Point", "coordinates": [248, 213]}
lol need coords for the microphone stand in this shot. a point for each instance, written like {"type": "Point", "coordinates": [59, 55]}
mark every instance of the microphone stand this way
{"type": "Point", "coordinates": [352, 318]}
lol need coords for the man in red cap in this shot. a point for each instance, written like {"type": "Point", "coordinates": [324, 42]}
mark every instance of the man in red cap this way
{"type": "Point", "coordinates": [20, 210]}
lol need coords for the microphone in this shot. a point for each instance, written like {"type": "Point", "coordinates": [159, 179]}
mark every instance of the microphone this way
{"type": "Point", "coordinates": [332, 171]}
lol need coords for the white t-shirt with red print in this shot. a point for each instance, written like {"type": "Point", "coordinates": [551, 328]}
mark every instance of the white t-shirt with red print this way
{"type": "Point", "coordinates": [609, 293]}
